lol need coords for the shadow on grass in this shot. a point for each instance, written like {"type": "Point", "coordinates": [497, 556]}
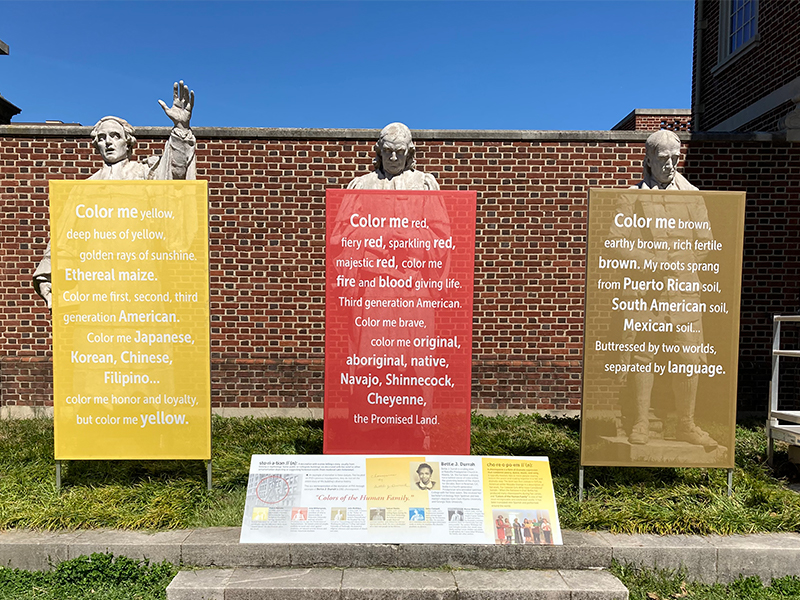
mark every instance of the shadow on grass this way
{"type": "Point", "coordinates": [234, 442]}
{"type": "Point", "coordinates": [129, 472]}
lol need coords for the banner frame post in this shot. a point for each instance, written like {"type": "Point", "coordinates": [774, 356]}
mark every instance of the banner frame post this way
{"type": "Point", "coordinates": [58, 475]}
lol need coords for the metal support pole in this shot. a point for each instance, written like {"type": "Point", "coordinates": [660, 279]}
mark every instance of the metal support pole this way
{"type": "Point", "coordinates": [208, 474]}
{"type": "Point", "coordinates": [58, 475]}
{"type": "Point", "coordinates": [580, 483]}
{"type": "Point", "coordinates": [730, 482]}
{"type": "Point", "coordinates": [770, 446]}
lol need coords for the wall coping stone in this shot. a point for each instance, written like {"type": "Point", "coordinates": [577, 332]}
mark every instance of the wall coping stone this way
{"type": "Point", "coordinates": [283, 133]}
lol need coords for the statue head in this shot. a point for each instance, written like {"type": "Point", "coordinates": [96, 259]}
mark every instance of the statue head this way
{"type": "Point", "coordinates": [113, 138]}
{"type": "Point", "coordinates": [662, 155]}
{"type": "Point", "coordinates": [394, 150]}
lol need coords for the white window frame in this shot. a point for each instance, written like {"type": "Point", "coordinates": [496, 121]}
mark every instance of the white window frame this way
{"type": "Point", "coordinates": [725, 54]}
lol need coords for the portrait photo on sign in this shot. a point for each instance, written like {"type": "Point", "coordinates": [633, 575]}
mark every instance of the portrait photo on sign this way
{"type": "Point", "coordinates": [455, 515]}
{"type": "Point", "coordinates": [377, 514]}
{"type": "Point", "coordinates": [416, 514]}
{"type": "Point", "coordinates": [424, 476]}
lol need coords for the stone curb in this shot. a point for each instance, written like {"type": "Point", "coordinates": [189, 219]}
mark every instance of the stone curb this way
{"type": "Point", "coordinates": [364, 584]}
{"type": "Point", "coordinates": [709, 559]}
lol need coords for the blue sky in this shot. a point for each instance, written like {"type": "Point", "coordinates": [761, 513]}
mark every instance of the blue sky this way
{"type": "Point", "coordinates": [433, 65]}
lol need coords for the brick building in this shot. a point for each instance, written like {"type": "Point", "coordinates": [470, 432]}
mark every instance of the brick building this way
{"type": "Point", "coordinates": [267, 236]}
{"type": "Point", "coordinates": [648, 119]}
{"type": "Point", "coordinates": [746, 73]}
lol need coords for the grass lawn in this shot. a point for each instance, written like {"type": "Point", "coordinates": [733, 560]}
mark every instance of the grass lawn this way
{"type": "Point", "coordinates": [99, 577]}
{"type": "Point", "coordinates": [156, 495]}
{"type": "Point", "coordinates": [646, 584]}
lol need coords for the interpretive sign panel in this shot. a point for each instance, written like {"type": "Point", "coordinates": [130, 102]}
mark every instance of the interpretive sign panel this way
{"type": "Point", "coordinates": [398, 340]}
{"type": "Point", "coordinates": [131, 369]}
{"type": "Point", "coordinates": [400, 499]}
{"type": "Point", "coordinates": [663, 285]}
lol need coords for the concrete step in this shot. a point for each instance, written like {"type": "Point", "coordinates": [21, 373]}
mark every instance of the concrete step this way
{"type": "Point", "coordinates": [393, 584]}
{"type": "Point", "coordinates": [711, 559]}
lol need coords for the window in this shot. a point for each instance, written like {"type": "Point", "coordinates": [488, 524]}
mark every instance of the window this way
{"type": "Point", "coordinates": [738, 26]}
{"type": "Point", "coordinates": [742, 23]}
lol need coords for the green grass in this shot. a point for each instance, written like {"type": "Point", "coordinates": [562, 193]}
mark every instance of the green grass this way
{"type": "Point", "coordinates": [646, 584]}
{"type": "Point", "coordinates": [97, 577]}
{"type": "Point", "coordinates": [156, 495]}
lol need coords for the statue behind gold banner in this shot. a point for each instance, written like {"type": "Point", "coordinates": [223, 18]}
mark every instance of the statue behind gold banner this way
{"type": "Point", "coordinates": [663, 285]}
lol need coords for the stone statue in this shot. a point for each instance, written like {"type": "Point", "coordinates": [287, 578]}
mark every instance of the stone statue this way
{"type": "Point", "coordinates": [395, 165]}
{"type": "Point", "coordinates": [114, 140]}
{"type": "Point", "coordinates": [663, 150]}
{"type": "Point", "coordinates": [407, 253]}
{"type": "Point", "coordinates": [662, 155]}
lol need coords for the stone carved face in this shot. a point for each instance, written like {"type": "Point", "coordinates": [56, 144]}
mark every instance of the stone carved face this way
{"type": "Point", "coordinates": [393, 156]}
{"type": "Point", "coordinates": [111, 142]}
{"type": "Point", "coordinates": [394, 151]}
{"type": "Point", "coordinates": [663, 161]}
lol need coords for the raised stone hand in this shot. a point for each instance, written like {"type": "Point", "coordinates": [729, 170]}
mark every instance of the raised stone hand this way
{"type": "Point", "coordinates": [182, 102]}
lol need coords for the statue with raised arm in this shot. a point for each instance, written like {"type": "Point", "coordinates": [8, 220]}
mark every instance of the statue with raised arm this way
{"type": "Point", "coordinates": [114, 140]}
{"type": "Point", "coordinates": [395, 164]}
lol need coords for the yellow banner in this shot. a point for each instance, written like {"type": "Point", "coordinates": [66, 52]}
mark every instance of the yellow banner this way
{"type": "Point", "coordinates": [663, 284]}
{"type": "Point", "coordinates": [131, 369]}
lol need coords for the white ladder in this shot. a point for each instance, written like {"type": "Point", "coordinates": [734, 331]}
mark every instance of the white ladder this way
{"type": "Point", "coordinates": [789, 433]}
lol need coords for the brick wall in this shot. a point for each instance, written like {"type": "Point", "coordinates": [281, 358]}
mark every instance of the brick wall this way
{"type": "Point", "coordinates": [771, 63]}
{"type": "Point", "coordinates": [267, 235]}
{"type": "Point", "coordinates": [654, 123]}
{"type": "Point", "coordinates": [770, 174]}
{"type": "Point", "coordinates": [679, 120]}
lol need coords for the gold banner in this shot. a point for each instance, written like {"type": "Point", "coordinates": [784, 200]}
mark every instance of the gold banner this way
{"type": "Point", "coordinates": [131, 369]}
{"type": "Point", "coordinates": [663, 285]}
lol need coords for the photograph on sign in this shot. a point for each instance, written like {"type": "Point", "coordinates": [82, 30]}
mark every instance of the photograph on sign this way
{"type": "Point", "coordinates": [398, 338]}
{"type": "Point", "coordinates": [448, 500]}
{"type": "Point", "coordinates": [663, 283]}
{"type": "Point", "coordinates": [131, 364]}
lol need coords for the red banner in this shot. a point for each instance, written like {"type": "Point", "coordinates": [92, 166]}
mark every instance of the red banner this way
{"type": "Point", "coordinates": [398, 343]}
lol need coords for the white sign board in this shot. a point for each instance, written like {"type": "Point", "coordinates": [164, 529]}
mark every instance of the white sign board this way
{"type": "Point", "coordinates": [400, 499]}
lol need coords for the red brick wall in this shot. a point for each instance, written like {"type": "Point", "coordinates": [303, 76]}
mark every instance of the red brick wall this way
{"type": "Point", "coordinates": [770, 174]}
{"type": "Point", "coordinates": [771, 63]}
{"type": "Point", "coordinates": [656, 122]}
{"type": "Point", "coordinates": [649, 120]}
{"type": "Point", "coordinates": [267, 220]}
